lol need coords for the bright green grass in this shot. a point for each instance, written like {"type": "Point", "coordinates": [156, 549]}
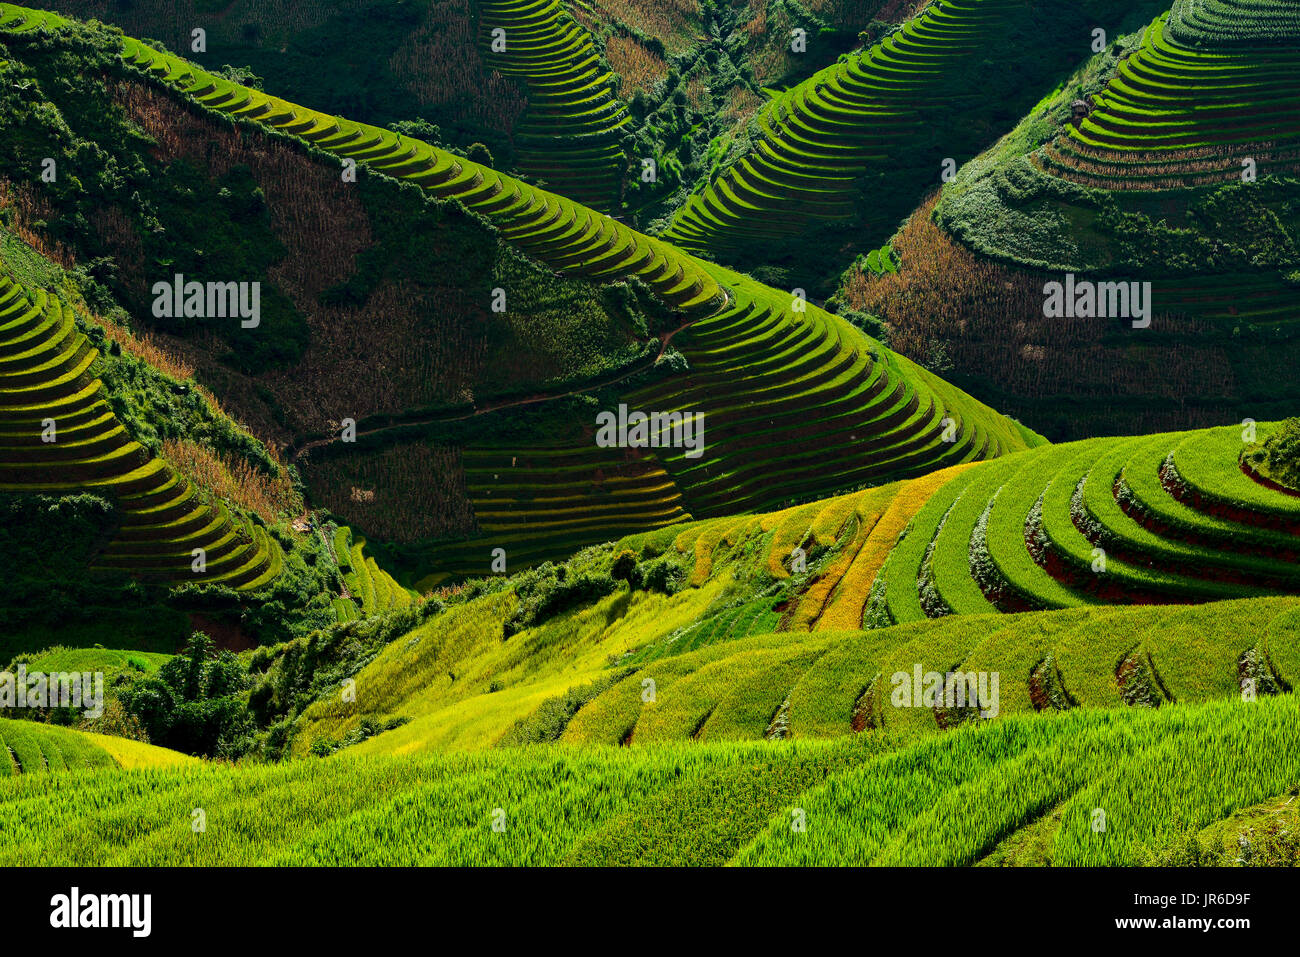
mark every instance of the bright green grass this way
{"type": "Point", "coordinates": [1208, 462]}
{"type": "Point", "coordinates": [96, 659]}
{"type": "Point", "coordinates": [947, 800]}
{"type": "Point", "coordinates": [30, 748]}
{"type": "Point", "coordinates": [903, 565]}
{"type": "Point", "coordinates": [952, 799]}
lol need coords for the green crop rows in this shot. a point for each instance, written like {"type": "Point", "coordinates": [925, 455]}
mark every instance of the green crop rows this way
{"type": "Point", "coordinates": [58, 433]}
{"type": "Point", "coordinates": [569, 136]}
{"type": "Point", "coordinates": [797, 401]}
{"type": "Point", "coordinates": [1167, 518]}
{"type": "Point", "coordinates": [1190, 105]}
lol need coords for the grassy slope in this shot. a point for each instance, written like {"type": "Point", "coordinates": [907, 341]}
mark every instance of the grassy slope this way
{"type": "Point", "coordinates": [1021, 787]}
{"type": "Point", "coordinates": [950, 800]}
{"type": "Point", "coordinates": [32, 750]}
{"type": "Point", "coordinates": [460, 685]}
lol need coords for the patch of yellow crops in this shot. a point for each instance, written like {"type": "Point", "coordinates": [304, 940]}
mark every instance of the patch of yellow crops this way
{"type": "Point", "coordinates": [136, 754]}
{"type": "Point", "coordinates": [830, 520]}
{"type": "Point", "coordinates": [428, 664]}
{"type": "Point", "coordinates": [791, 526]}
{"type": "Point", "coordinates": [868, 508]}
{"type": "Point", "coordinates": [742, 530]}
{"type": "Point", "coordinates": [844, 610]}
{"type": "Point", "coordinates": [471, 724]}
{"type": "Point", "coordinates": [707, 543]}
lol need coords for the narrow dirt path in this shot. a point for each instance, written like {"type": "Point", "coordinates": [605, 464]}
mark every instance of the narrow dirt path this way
{"type": "Point", "coordinates": [665, 339]}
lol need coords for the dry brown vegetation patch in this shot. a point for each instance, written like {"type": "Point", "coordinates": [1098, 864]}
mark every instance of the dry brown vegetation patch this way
{"type": "Point", "coordinates": [271, 498]}
{"type": "Point", "coordinates": [404, 493]}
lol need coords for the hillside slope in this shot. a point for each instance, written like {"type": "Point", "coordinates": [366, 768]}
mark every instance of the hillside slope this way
{"type": "Point", "coordinates": [569, 136]}
{"type": "Point", "coordinates": [760, 616]}
{"type": "Point", "coordinates": [772, 373]}
{"type": "Point", "coordinates": [990, 793]}
{"type": "Point", "coordinates": [32, 750]}
{"type": "Point", "coordinates": [60, 434]}
{"type": "Point", "coordinates": [135, 510]}
{"type": "Point", "coordinates": [824, 170]}
{"type": "Point", "coordinates": [1170, 159]}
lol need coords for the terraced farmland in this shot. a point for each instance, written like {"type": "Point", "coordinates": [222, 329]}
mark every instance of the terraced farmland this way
{"type": "Point", "coordinates": [825, 407]}
{"type": "Point", "coordinates": [829, 150]}
{"type": "Point", "coordinates": [1187, 118]}
{"type": "Point", "coordinates": [371, 590]}
{"type": "Point", "coordinates": [819, 606]}
{"type": "Point", "coordinates": [29, 749]}
{"type": "Point", "coordinates": [59, 434]}
{"type": "Point", "coordinates": [971, 793]}
{"type": "Point", "coordinates": [1170, 158]}
{"type": "Point", "coordinates": [1165, 519]}
{"type": "Point", "coordinates": [837, 684]}
{"type": "Point", "coordinates": [1210, 23]}
{"type": "Point", "coordinates": [818, 140]}
{"type": "Point", "coordinates": [1211, 87]}
{"type": "Point", "coordinates": [569, 136]}
{"type": "Point", "coordinates": [1152, 519]}
{"type": "Point", "coordinates": [1058, 539]}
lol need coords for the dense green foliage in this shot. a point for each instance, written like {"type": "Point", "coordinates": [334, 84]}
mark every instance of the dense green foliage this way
{"type": "Point", "coordinates": [194, 702]}
{"type": "Point", "coordinates": [46, 543]}
{"type": "Point", "coordinates": [1279, 456]}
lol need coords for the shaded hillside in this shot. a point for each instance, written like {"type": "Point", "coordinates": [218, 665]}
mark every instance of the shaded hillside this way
{"type": "Point", "coordinates": [135, 510]}
{"type": "Point", "coordinates": [580, 97]}
{"type": "Point", "coordinates": [773, 375]}
{"type": "Point", "coordinates": [835, 162]}
{"type": "Point", "coordinates": [1158, 162]}
{"type": "Point", "coordinates": [384, 62]}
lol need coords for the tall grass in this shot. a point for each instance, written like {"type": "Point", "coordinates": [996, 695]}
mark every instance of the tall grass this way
{"type": "Point", "coordinates": [271, 497]}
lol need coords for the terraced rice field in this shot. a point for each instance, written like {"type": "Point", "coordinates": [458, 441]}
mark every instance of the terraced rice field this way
{"type": "Point", "coordinates": [797, 401]}
{"type": "Point", "coordinates": [969, 795]}
{"type": "Point", "coordinates": [569, 136]}
{"type": "Point", "coordinates": [838, 683]}
{"type": "Point", "coordinates": [1212, 85]}
{"type": "Point", "coordinates": [59, 434]}
{"type": "Point", "coordinates": [1215, 605]}
{"type": "Point", "coordinates": [1162, 519]}
{"type": "Point", "coordinates": [1151, 519]}
{"type": "Point", "coordinates": [371, 590]}
{"type": "Point", "coordinates": [819, 139]}
{"type": "Point", "coordinates": [1218, 22]}
{"type": "Point", "coordinates": [540, 502]}
{"type": "Point", "coordinates": [724, 680]}
{"type": "Point", "coordinates": [30, 749]}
